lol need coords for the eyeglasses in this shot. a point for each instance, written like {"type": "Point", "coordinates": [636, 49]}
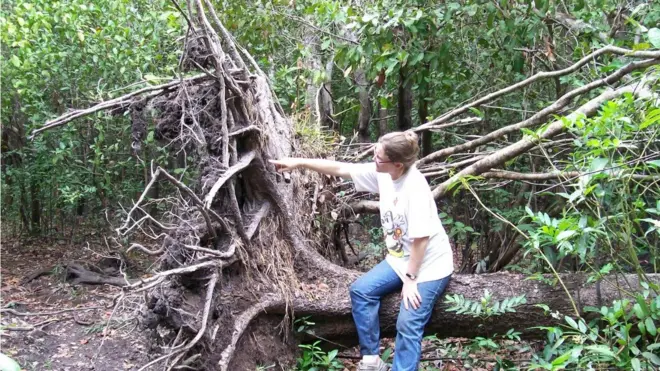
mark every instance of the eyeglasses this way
{"type": "Point", "coordinates": [378, 161]}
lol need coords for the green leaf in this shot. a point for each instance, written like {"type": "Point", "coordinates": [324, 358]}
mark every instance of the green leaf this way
{"type": "Point", "coordinates": [602, 349]}
{"type": "Point", "coordinates": [383, 102]}
{"type": "Point", "coordinates": [654, 163]}
{"type": "Point", "coordinates": [650, 326]}
{"type": "Point", "coordinates": [386, 354]}
{"type": "Point", "coordinates": [8, 364]}
{"type": "Point", "coordinates": [636, 365]}
{"type": "Point", "coordinates": [650, 119]}
{"type": "Point", "coordinates": [15, 61]}
{"type": "Point", "coordinates": [571, 322]}
{"type": "Point", "coordinates": [652, 357]}
{"type": "Point", "coordinates": [563, 235]}
{"type": "Point", "coordinates": [654, 37]}
{"type": "Point", "coordinates": [583, 327]}
{"type": "Point", "coordinates": [598, 164]}
{"type": "Point", "coordinates": [562, 358]}
{"type": "Point", "coordinates": [476, 112]}
{"type": "Point", "coordinates": [348, 71]}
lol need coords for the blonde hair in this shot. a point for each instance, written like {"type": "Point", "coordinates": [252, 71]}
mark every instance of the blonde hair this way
{"type": "Point", "coordinates": [401, 146]}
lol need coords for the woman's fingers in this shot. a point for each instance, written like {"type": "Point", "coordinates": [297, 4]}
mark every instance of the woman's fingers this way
{"type": "Point", "coordinates": [279, 165]}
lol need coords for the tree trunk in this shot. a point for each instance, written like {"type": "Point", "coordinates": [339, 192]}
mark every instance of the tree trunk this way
{"type": "Point", "coordinates": [332, 311]}
{"type": "Point", "coordinates": [364, 116]}
{"type": "Point", "coordinates": [325, 103]}
{"type": "Point", "coordinates": [427, 136]}
{"type": "Point", "coordinates": [318, 97]}
{"type": "Point", "coordinates": [404, 107]}
{"type": "Point", "coordinates": [35, 208]}
{"type": "Point", "coordinates": [382, 120]}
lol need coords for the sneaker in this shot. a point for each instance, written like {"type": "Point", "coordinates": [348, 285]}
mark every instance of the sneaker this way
{"type": "Point", "coordinates": [379, 365]}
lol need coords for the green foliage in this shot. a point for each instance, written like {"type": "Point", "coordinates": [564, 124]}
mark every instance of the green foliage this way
{"type": "Point", "coordinates": [484, 307]}
{"type": "Point", "coordinates": [456, 228]}
{"type": "Point", "coordinates": [313, 357]}
{"type": "Point", "coordinates": [60, 55]}
{"type": "Point", "coordinates": [630, 339]}
{"type": "Point", "coordinates": [608, 211]}
{"type": "Point", "coordinates": [495, 344]}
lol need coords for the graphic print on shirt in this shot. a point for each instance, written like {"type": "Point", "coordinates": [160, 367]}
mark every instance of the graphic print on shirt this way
{"type": "Point", "coordinates": [395, 227]}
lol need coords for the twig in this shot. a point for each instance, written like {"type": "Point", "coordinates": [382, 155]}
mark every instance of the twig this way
{"type": "Point", "coordinates": [28, 314]}
{"type": "Point", "coordinates": [181, 270]}
{"type": "Point", "coordinates": [39, 325]}
{"type": "Point", "coordinates": [243, 130]}
{"type": "Point", "coordinates": [300, 20]}
{"type": "Point", "coordinates": [226, 36]}
{"type": "Point", "coordinates": [145, 250]}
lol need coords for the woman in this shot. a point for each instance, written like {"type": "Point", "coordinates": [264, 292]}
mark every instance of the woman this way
{"type": "Point", "coordinates": [419, 260]}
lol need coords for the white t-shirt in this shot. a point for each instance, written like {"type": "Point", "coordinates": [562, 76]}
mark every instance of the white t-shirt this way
{"type": "Point", "coordinates": [407, 211]}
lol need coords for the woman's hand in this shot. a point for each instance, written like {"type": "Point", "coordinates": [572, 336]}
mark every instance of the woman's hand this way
{"type": "Point", "coordinates": [410, 295]}
{"type": "Point", "coordinates": [285, 164]}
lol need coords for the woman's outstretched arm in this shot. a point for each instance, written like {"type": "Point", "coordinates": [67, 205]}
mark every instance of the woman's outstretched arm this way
{"type": "Point", "coordinates": [329, 167]}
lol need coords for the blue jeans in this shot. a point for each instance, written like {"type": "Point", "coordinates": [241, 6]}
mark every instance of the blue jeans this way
{"type": "Point", "coordinates": [366, 293]}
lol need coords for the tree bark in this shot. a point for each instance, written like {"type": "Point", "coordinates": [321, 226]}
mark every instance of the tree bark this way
{"type": "Point", "coordinates": [382, 120]}
{"type": "Point", "coordinates": [364, 116]}
{"type": "Point", "coordinates": [404, 107]}
{"type": "Point", "coordinates": [427, 136]}
{"type": "Point", "coordinates": [332, 313]}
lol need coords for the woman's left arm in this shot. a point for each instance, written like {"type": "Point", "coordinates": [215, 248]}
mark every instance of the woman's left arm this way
{"type": "Point", "coordinates": [417, 251]}
{"type": "Point", "coordinates": [410, 293]}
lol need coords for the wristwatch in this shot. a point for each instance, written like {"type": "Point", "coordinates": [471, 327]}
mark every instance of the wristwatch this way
{"type": "Point", "coordinates": [411, 276]}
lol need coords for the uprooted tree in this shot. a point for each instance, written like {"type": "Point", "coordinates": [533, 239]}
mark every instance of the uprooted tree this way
{"type": "Point", "coordinates": [239, 250]}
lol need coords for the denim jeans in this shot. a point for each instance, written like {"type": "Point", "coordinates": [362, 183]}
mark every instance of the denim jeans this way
{"type": "Point", "coordinates": [366, 293]}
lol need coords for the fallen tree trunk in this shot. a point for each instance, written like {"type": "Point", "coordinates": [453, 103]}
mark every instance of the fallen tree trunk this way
{"type": "Point", "coordinates": [334, 322]}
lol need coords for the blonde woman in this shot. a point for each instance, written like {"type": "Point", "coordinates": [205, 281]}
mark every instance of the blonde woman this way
{"type": "Point", "coordinates": [419, 260]}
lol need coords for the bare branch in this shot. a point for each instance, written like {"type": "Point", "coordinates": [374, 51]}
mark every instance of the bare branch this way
{"type": "Point", "coordinates": [525, 144]}
{"type": "Point", "coordinates": [207, 308]}
{"type": "Point", "coordinates": [512, 175]}
{"type": "Point", "coordinates": [145, 250]}
{"type": "Point", "coordinates": [538, 76]}
{"type": "Point", "coordinates": [540, 116]}
{"type": "Point", "coordinates": [116, 102]}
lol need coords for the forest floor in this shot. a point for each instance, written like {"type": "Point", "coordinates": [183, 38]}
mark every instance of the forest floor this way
{"type": "Point", "coordinates": [98, 336]}
{"type": "Point", "coordinates": [95, 336]}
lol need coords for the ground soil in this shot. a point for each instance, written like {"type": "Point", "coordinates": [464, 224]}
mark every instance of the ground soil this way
{"type": "Point", "coordinates": [100, 339]}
